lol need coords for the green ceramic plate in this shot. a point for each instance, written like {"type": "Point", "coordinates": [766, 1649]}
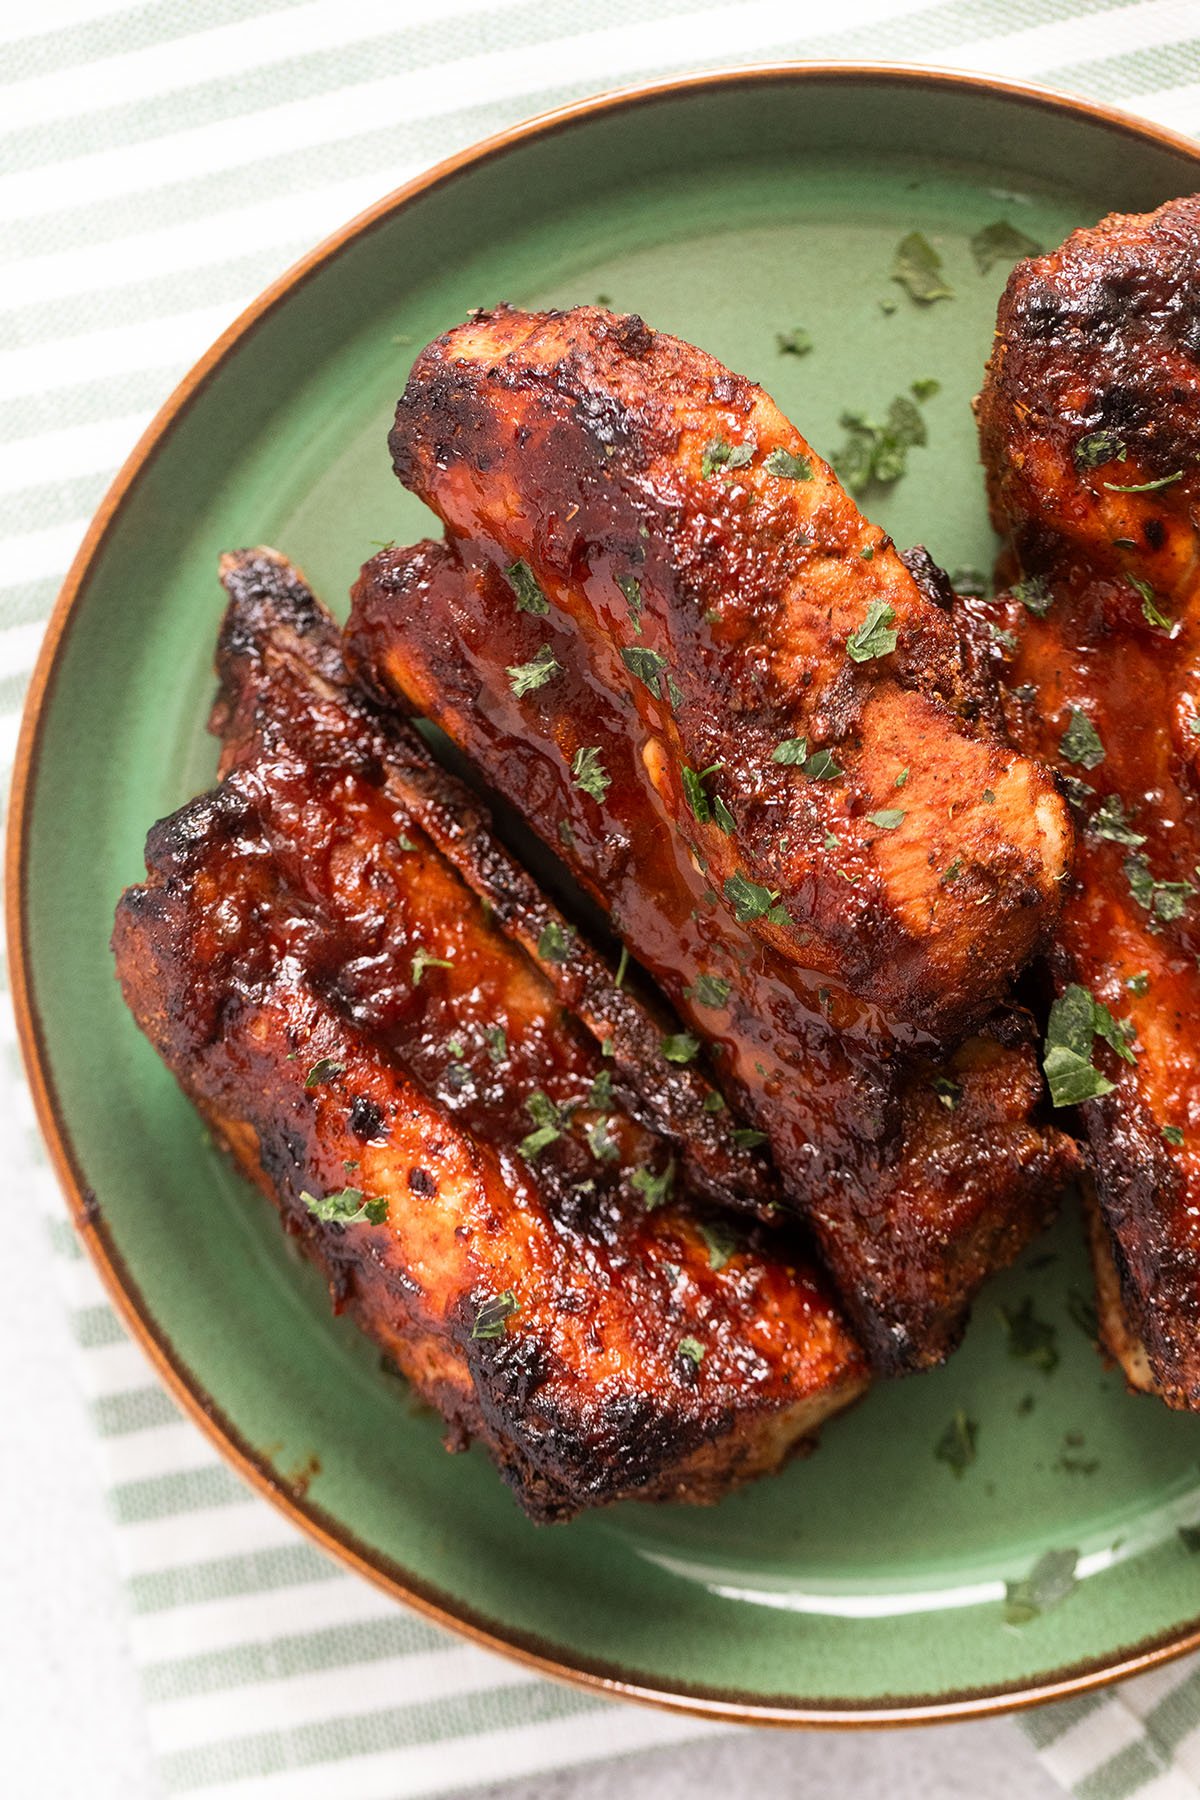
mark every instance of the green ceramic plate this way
{"type": "Point", "coordinates": [865, 1584]}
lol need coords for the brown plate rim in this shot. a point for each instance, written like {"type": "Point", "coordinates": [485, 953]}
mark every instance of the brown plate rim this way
{"type": "Point", "coordinates": [251, 1464]}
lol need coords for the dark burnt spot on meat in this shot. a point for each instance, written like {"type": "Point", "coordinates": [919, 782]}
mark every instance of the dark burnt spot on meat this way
{"type": "Point", "coordinates": [631, 334]}
{"type": "Point", "coordinates": [929, 576]}
{"type": "Point", "coordinates": [420, 1181]}
{"type": "Point", "coordinates": [1155, 533]}
{"type": "Point", "coordinates": [366, 1117]}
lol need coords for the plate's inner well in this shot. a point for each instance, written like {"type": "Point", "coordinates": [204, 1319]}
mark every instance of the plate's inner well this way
{"type": "Point", "coordinates": [728, 219]}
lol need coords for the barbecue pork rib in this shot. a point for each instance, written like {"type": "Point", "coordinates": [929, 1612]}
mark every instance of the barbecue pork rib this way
{"type": "Point", "coordinates": [919, 1172]}
{"type": "Point", "coordinates": [485, 1192]}
{"type": "Point", "coordinates": [766, 635]}
{"type": "Point", "coordinates": [1090, 429]}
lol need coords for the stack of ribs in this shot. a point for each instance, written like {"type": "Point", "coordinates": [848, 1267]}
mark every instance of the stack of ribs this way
{"type": "Point", "coordinates": [640, 1191]}
{"type": "Point", "coordinates": [1090, 422]}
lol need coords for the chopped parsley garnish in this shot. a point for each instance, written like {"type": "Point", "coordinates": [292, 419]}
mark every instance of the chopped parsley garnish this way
{"type": "Point", "coordinates": [1173, 1135]}
{"type": "Point", "coordinates": [554, 943]}
{"type": "Point", "coordinates": [524, 677]}
{"type": "Point", "coordinates": [523, 583]}
{"type": "Point", "coordinates": [588, 772]}
{"type": "Point", "coordinates": [793, 343]}
{"type": "Point", "coordinates": [493, 1315]}
{"type": "Point", "coordinates": [1139, 983]}
{"type": "Point", "coordinates": [405, 842]}
{"type": "Point", "coordinates": [968, 580]}
{"type": "Point", "coordinates": [600, 1092]}
{"type": "Point", "coordinates": [720, 1242]}
{"type": "Point", "coordinates": [956, 1446]}
{"type": "Point", "coordinates": [1048, 1583]}
{"type": "Point", "coordinates": [719, 453]}
{"type": "Point", "coordinates": [902, 778]}
{"type": "Point", "coordinates": [1080, 742]}
{"type": "Point", "coordinates": [681, 1047]}
{"type": "Point", "coordinates": [496, 1039]}
{"type": "Point", "coordinates": [1001, 242]}
{"type": "Point", "coordinates": [654, 1189]}
{"type": "Point", "coordinates": [821, 766]}
{"type": "Point", "coordinates": [1189, 1537]}
{"type": "Point", "coordinates": [647, 665]}
{"type": "Point", "coordinates": [1034, 594]}
{"type": "Point", "coordinates": [714, 1102]}
{"type": "Point", "coordinates": [423, 960]}
{"type": "Point", "coordinates": [748, 1137]}
{"type": "Point", "coordinates": [723, 819]}
{"type": "Point", "coordinates": [874, 637]}
{"type": "Point", "coordinates": [925, 388]}
{"type": "Point", "coordinates": [791, 750]}
{"type": "Point", "coordinates": [750, 901]}
{"type": "Point", "coordinates": [1030, 1339]}
{"type": "Point", "coordinates": [347, 1206]}
{"type": "Point", "coordinates": [692, 1348]}
{"type": "Point", "coordinates": [1167, 900]}
{"type": "Point", "coordinates": [949, 1092]}
{"type": "Point", "coordinates": [622, 965]}
{"type": "Point", "coordinates": [631, 587]}
{"type": "Point", "coordinates": [708, 990]}
{"type": "Point", "coordinates": [888, 818]}
{"type": "Point", "coordinates": [601, 1142]}
{"type": "Point", "coordinates": [1076, 1019]}
{"type": "Point", "coordinates": [918, 268]}
{"type": "Point", "coordinates": [548, 1125]}
{"type": "Point", "coordinates": [1144, 487]}
{"type": "Point", "coordinates": [1099, 447]}
{"type": "Point", "coordinates": [788, 467]}
{"type": "Point", "coordinates": [1111, 821]}
{"type": "Point", "coordinates": [1151, 611]}
{"type": "Point", "coordinates": [693, 792]}
{"type": "Point", "coordinates": [876, 452]}
{"type": "Point", "coordinates": [326, 1070]}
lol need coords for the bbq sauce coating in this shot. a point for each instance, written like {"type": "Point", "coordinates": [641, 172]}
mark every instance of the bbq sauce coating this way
{"type": "Point", "coordinates": [1093, 388]}
{"type": "Point", "coordinates": [269, 959]}
{"type": "Point", "coordinates": [919, 1174]}
{"type": "Point", "coordinates": [608, 460]}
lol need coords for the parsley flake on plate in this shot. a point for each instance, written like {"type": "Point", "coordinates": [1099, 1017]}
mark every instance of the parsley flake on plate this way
{"type": "Point", "coordinates": [918, 269]}
{"type": "Point", "coordinates": [1110, 821]}
{"type": "Point", "coordinates": [1030, 1339]}
{"type": "Point", "coordinates": [1047, 1584]}
{"type": "Point", "coordinates": [956, 1446]}
{"type": "Point", "coordinates": [654, 1189]}
{"type": "Point", "coordinates": [1001, 243]}
{"type": "Point", "coordinates": [793, 343]}
{"type": "Point", "coordinates": [878, 453]}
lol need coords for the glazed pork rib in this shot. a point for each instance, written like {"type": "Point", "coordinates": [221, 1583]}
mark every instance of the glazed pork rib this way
{"type": "Point", "coordinates": [766, 635]}
{"type": "Point", "coordinates": [1090, 423]}
{"type": "Point", "coordinates": [919, 1173]}
{"type": "Point", "coordinates": [485, 1194]}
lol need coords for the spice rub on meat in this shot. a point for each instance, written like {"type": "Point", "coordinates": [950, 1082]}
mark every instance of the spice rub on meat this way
{"type": "Point", "coordinates": [523, 1226]}
{"type": "Point", "coordinates": [1090, 428]}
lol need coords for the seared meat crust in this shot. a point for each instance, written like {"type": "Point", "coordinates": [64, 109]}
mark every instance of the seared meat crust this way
{"type": "Point", "coordinates": [1090, 427]}
{"type": "Point", "coordinates": [724, 582]}
{"type": "Point", "coordinates": [599, 1330]}
{"type": "Point", "coordinates": [919, 1174]}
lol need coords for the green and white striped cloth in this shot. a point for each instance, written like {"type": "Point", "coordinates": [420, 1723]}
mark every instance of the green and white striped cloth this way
{"type": "Point", "coordinates": [141, 146]}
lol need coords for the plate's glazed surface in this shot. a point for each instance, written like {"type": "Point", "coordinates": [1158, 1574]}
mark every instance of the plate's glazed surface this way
{"type": "Point", "coordinates": [867, 1582]}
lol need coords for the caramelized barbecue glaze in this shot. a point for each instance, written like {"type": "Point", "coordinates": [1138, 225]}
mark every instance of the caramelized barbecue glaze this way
{"type": "Point", "coordinates": [1094, 388]}
{"type": "Point", "coordinates": [330, 989]}
{"type": "Point", "coordinates": [669, 509]}
{"type": "Point", "coordinates": [920, 1171]}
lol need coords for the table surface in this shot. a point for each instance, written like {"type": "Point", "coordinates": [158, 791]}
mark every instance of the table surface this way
{"type": "Point", "coordinates": [71, 1719]}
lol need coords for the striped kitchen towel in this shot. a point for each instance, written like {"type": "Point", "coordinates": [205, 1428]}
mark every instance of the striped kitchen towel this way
{"type": "Point", "coordinates": [159, 164]}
